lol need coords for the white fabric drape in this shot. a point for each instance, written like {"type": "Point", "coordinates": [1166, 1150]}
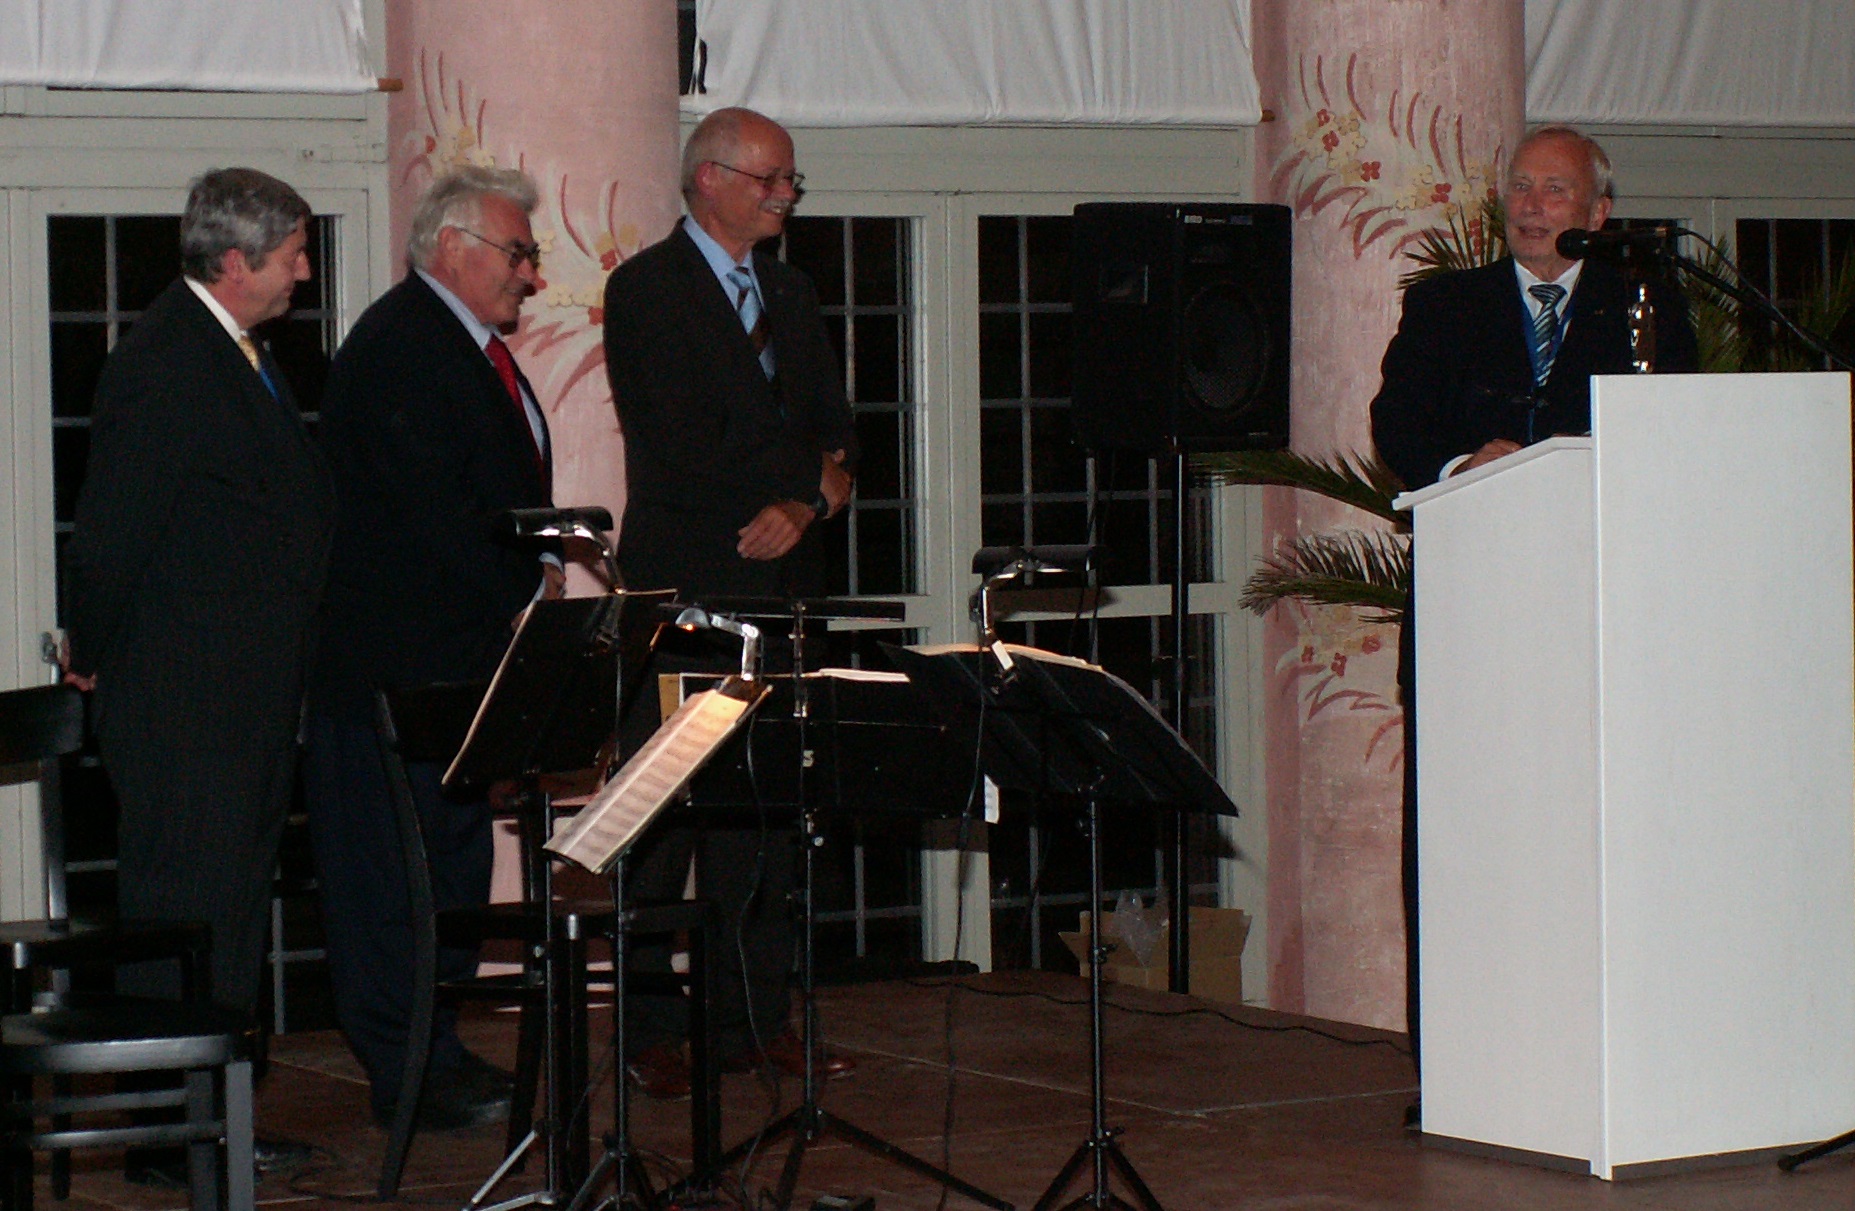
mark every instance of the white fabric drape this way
{"type": "Point", "coordinates": [1692, 62]}
{"type": "Point", "coordinates": [971, 62]}
{"type": "Point", "coordinates": [225, 45]}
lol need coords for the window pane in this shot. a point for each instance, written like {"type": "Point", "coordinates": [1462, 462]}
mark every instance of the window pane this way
{"type": "Point", "coordinates": [77, 263]}
{"type": "Point", "coordinates": [878, 245]}
{"type": "Point", "coordinates": [998, 259]}
{"type": "Point", "coordinates": [879, 367]}
{"type": "Point", "coordinates": [1047, 258]}
{"type": "Point", "coordinates": [1000, 350]}
{"type": "Point", "coordinates": [78, 350]}
{"type": "Point", "coordinates": [1001, 450]}
{"type": "Point", "coordinates": [879, 476]}
{"type": "Point", "coordinates": [861, 268]}
{"type": "Point", "coordinates": [817, 246]}
{"type": "Point", "coordinates": [147, 258]}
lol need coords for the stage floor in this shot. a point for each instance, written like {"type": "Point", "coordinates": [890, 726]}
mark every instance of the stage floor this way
{"type": "Point", "coordinates": [1219, 1108]}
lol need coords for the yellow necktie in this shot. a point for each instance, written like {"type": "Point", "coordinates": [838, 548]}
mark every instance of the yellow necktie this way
{"type": "Point", "coordinates": [249, 348]}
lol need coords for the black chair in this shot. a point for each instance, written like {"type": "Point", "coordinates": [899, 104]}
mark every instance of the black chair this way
{"type": "Point", "coordinates": [428, 724]}
{"type": "Point", "coordinates": [39, 727]}
{"type": "Point", "coordinates": [211, 1049]}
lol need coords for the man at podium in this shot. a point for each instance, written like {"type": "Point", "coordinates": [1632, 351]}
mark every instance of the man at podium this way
{"type": "Point", "coordinates": [1490, 359]}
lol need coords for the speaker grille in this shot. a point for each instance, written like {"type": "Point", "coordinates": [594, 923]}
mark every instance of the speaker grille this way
{"type": "Point", "coordinates": [1226, 348]}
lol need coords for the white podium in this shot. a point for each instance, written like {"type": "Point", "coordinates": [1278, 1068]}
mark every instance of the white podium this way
{"type": "Point", "coordinates": [1636, 778]}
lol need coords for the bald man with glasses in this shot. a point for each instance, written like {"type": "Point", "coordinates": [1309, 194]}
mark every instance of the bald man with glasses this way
{"type": "Point", "coordinates": [738, 449]}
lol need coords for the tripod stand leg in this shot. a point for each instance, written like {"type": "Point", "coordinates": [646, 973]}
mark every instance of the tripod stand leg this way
{"type": "Point", "coordinates": [1791, 1160]}
{"type": "Point", "coordinates": [1063, 1177]}
{"type": "Point", "coordinates": [1118, 1160]}
{"type": "Point", "coordinates": [789, 1172]}
{"type": "Point", "coordinates": [908, 1160]}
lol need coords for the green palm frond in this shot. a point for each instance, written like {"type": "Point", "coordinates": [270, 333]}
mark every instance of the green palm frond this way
{"type": "Point", "coordinates": [1819, 311]}
{"type": "Point", "coordinates": [1370, 570]}
{"type": "Point", "coordinates": [1724, 347]}
{"type": "Point", "coordinates": [1463, 244]}
{"type": "Point", "coordinates": [1365, 483]}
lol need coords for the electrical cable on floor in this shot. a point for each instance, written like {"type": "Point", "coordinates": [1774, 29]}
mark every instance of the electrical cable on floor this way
{"type": "Point", "coordinates": [1136, 1011]}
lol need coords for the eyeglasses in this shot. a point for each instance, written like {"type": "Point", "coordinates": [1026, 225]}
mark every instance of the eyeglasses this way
{"type": "Point", "coordinates": [767, 179]}
{"type": "Point", "coordinates": [517, 252]}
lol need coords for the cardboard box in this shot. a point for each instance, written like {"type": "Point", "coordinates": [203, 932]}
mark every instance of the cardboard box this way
{"type": "Point", "coordinates": [1218, 935]}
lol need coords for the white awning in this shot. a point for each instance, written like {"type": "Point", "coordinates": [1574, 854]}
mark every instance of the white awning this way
{"type": "Point", "coordinates": [979, 62]}
{"type": "Point", "coordinates": [212, 45]}
{"type": "Point", "coordinates": [1691, 62]}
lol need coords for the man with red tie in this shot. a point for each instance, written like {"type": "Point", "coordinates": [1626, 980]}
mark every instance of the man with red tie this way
{"type": "Point", "coordinates": [431, 433]}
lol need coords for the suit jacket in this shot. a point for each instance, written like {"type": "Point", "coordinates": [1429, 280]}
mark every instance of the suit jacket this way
{"type": "Point", "coordinates": [1458, 375]}
{"type": "Point", "coordinates": [428, 452]}
{"type": "Point", "coordinates": [201, 540]}
{"type": "Point", "coordinates": [709, 442]}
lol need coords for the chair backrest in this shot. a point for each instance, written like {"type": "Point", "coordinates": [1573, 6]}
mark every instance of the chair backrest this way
{"type": "Point", "coordinates": [40, 723]}
{"type": "Point", "coordinates": [38, 726]}
{"type": "Point", "coordinates": [425, 723]}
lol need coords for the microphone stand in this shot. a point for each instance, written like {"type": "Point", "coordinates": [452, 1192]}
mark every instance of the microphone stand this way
{"type": "Point", "coordinates": [1661, 252]}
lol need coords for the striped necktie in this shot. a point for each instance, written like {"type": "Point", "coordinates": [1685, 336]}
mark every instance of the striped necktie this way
{"type": "Point", "coordinates": [753, 316]}
{"type": "Point", "coordinates": [1545, 329]}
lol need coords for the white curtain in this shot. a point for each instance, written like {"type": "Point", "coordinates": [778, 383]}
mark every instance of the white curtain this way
{"type": "Point", "coordinates": [1692, 62]}
{"type": "Point", "coordinates": [969, 62]}
{"type": "Point", "coordinates": [226, 45]}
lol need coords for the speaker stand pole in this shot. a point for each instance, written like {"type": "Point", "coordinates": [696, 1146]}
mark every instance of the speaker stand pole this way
{"type": "Point", "coordinates": [1178, 860]}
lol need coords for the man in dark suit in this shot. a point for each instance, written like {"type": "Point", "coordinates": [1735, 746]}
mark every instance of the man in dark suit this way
{"type": "Point", "coordinates": [197, 562]}
{"type": "Point", "coordinates": [1489, 360]}
{"type": "Point", "coordinates": [432, 434]}
{"type": "Point", "coordinates": [738, 439]}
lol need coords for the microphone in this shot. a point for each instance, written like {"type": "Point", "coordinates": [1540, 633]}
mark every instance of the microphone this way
{"type": "Point", "coordinates": [553, 523]}
{"type": "Point", "coordinates": [1576, 244]}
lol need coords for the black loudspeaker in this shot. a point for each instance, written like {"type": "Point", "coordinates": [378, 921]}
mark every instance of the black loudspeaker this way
{"type": "Point", "coordinates": [1181, 325]}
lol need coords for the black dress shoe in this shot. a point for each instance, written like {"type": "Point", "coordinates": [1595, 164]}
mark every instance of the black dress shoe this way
{"type": "Point", "coordinates": [453, 1102]}
{"type": "Point", "coordinates": [477, 1073]}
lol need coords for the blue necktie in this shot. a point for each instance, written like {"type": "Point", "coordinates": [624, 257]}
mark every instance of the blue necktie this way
{"type": "Point", "coordinates": [753, 316]}
{"type": "Point", "coordinates": [1545, 329]}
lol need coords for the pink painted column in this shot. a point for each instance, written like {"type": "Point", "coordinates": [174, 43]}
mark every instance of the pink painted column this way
{"type": "Point", "coordinates": [1389, 117]}
{"type": "Point", "coordinates": [582, 94]}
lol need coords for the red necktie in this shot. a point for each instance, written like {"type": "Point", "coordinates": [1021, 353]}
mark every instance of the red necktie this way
{"type": "Point", "coordinates": [504, 362]}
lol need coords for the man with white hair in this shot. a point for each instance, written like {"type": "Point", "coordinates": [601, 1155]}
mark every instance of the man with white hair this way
{"type": "Point", "coordinates": [1491, 359]}
{"type": "Point", "coordinates": [432, 433]}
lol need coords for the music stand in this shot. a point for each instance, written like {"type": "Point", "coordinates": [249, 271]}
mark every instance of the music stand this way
{"type": "Point", "coordinates": [859, 735]}
{"type": "Point", "coordinates": [1056, 726]}
{"type": "Point", "coordinates": [551, 708]}
{"type": "Point", "coordinates": [596, 840]}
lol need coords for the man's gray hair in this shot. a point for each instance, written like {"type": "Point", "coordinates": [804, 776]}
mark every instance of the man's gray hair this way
{"type": "Point", "coordinates": [238, 208]}
{"type": "Point", "coordinates": [715, 140]}
{"type": "Point", "coordinates": [456, 200]}
{"type": "Point", "coordinates": [1603, 181]}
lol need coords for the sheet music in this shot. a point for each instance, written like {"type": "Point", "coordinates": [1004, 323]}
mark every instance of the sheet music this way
{"type": "Point", "coordinates": [656, 774]}
{"type": "Point", "coordinates": [1016, 649]}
